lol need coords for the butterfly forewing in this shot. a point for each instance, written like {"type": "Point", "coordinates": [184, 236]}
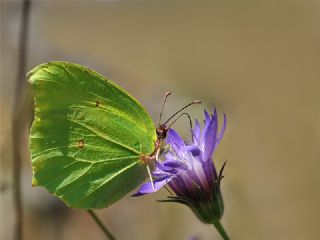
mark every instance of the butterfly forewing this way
{"type": "Point", "coordinates": [87, 136]}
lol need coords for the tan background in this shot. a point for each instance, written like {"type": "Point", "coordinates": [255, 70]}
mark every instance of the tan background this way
{"type": "Point", "coordinates": [258, 61]}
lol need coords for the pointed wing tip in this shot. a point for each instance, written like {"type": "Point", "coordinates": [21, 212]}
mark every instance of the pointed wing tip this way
{"type": "Point", "coordinates": [42, 66]}
{"type": "Point", "coordinates": [34, 70]}
{"type": "Point", "coordinates": [30, 75]}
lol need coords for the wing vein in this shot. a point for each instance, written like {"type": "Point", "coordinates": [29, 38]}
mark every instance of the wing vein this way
{"type": "Point", "coordinates": [75, 179]}
{"type": "Point", "coordinates": [109, 179]}
{"type": "Point", "coordinates": [102, 135]}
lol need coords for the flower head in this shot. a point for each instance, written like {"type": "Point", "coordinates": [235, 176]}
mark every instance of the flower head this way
{"type": "Point", "coordinates": [189, 171]}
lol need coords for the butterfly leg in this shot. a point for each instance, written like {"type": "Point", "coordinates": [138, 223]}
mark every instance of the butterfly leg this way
{"type": "Point", "coordinates": [157, 154]}
{"type": "Point", "coordinates": [150, 176]}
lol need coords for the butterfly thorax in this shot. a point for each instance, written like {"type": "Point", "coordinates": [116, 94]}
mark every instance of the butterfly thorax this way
{"type": "Point", "coordinates": [158, 144]}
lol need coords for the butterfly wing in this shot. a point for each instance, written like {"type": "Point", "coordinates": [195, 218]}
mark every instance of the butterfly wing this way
{"type": "Point", "coordinates": [87, 136]}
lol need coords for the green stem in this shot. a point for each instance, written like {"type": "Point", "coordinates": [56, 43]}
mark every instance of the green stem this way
{"type": "Point", "coordinates": [101, 225]}
{"type": "Point", "coordinates": [221, 230]}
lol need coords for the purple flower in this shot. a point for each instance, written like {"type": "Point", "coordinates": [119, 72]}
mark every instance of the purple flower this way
{"type": "Point", "coordinates": [189, 171]}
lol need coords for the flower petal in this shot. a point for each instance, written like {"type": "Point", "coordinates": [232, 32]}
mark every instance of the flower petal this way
{"type": "Point", "coordinates": [208, 138]}
{"type": "Point", "coordinates": [207, 116]}
{"type": "Point", "coordinates": [162, 167]}
{"type": "Point", "coordinates": [196, 133]}
{"type": "Point", "coordinates": [224, 125]}
{"type": "Point", "coordinates": [162, 170]}
{"type": "Point", "coordinates": [194, 150]}
{"type": "Point", "coordinates": [148, 188]}
{"type": "Point", "coordinates": [178, 165]}
{"type": "Point", "coordinates": [199, 169]}
{"type": "Point", "coordinates": [174, 140]}
{"type": "Point", "coordinates": [210, 171]}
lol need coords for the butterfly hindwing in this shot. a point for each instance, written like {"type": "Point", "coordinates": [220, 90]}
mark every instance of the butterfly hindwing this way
{"type": "Point", "coordinates": [87, 136]}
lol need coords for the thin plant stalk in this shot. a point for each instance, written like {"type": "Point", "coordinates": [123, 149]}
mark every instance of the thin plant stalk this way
{"type": "Point", "coordinates": [16, 121]}
{"type": "Point", "coordinates": [104, 229]}
{"type": "Point", "coordinates": [221, 230]}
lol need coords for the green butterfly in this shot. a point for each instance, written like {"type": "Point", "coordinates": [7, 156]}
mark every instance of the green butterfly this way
{"type": "Point", "coordinates": [90, 140]}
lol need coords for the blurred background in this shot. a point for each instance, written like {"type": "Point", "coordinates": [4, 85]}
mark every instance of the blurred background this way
{"type": "Point", "coordinates": [257, 61]}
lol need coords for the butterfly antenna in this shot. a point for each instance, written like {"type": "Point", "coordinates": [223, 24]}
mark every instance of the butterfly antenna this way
{"type": "Point", "coordinates": [188, 105]}
{"type": "Point", "coordinates": [163, 103]}
{"type": "Point", "coordinates": [180, 117]}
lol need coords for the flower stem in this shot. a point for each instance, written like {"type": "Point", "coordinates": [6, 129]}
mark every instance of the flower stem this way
{"type": "Point", "coordinates": [221, 230]}
{"type": "Point", "coordinates": [101, 225]}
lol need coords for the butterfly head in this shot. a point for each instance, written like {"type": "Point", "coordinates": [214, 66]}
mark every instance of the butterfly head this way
{"type": "Point", "coordinates": [162, 131]}
{"type": "Point", "coordinates": [162, 128]}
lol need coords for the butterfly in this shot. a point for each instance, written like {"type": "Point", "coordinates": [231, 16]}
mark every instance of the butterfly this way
{"type": "Point", "coordinates": [90, 141]}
